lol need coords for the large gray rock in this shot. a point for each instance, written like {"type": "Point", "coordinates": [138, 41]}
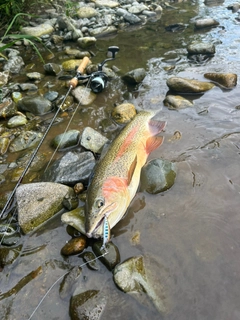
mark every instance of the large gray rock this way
{"type": "Point", "coordinates": [37, 105]}
{"type": "Point", "coordinates": [39, 30]}
{"type": "Point", "coordinates": [93, 140]}
{"type": "Point", "coordinates": [198, 47]}
{"type": "Point", "coordinates": [37, 202]}
{"type": "Point", "coordinates": [72, 168]}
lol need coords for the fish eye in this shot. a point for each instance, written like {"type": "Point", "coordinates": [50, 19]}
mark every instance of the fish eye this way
{"type": "Point", "coordinates": [100, 203]}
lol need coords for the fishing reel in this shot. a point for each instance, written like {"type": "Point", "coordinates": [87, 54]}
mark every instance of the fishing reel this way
{"type": "Point", "coordinates": [98, 79]}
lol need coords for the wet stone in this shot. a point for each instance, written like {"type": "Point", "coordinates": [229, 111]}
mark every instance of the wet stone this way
{"type": "Point", "coordinates": [184, 85]}
{"type": "Point", "coordinates": [124, 113]}
{"type": "Point", "coordinates": [75, 219]}
{"type": "Point", "coordinates": [157, 176]}
{"type": "Point", "coordinates": [78, 188]}
{"type": "Point", "coordinates": [112, 258]}
{"type": "Point", "coordinates": [176, 102]}
{"type": "Point", "coordinates": [16, 121]}
{"type": "Point", "coordinates": [14, 64]}
{"type": "Point", "coordinates": [70, 202]}
{"type": "Point", "coordinates": [16, 96]}
{"type": "Point", "coordinates": [227, 80]}
{"type": "Point", "coordinates": [28, 87]}
{"type": "Point", "coordinates": [38, 202]}
{"type": "Point", "coordinates": [90, 257]}
{"type": "Point", "coordinates": [52, 68]}
{"type": "Point", "coordinates": [51, 95]}
{"type": "Point", "coordinates": [92, 140]}
{"type": "Point", "coordinates": [67, 284]}
{"type": "Point", "coordinates": [8, 255]}
{"type": "Point", "coordinates": [4, 77]}
{"type": "Point", "coordinates": [84, 95]}
{"type": "Point", "coordinates": [37, 105]}
{"type": "Point", "coordinates": [39, 30]}
{"type": "Point", "coordinates": [86, 42]}
{"type": "Point", "coordinates": [34, 75]}
{"type": "Point", "coordinates": [7, 108]}
{"type": "Point", "coordinates": [74, 246]}
{"type": "Point", "coordinates": [87, 305]}
{"type": "Point", "coordinates": [201, 48]}
{"type": "Point", "coordinates": [87, 12]}
{"type": "Point", "coordinates": [25, 140]}
{"type": "Point", "coordinates": [206, 23]}
{"type": "Point", "coordinates": [67, 139]}
{"type": "Point", "coordinates": [72, 168]}
{"type": "Point", "coordinates": [70, 65]}
{"type": "Point", "coordinates": [135, 76]}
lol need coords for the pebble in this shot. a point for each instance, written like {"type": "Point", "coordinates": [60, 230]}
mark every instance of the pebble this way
{"type": "Point", "coordinates": [74, 246]}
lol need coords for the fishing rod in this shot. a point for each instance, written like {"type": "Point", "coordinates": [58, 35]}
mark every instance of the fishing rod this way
{"type": "Point", "coordinates": [97, 80]}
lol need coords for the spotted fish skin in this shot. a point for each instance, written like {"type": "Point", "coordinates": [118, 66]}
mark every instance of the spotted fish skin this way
{"type": "Point", "coordinates": [116, 177]}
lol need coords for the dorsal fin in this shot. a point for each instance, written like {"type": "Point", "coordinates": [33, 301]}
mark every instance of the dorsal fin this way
{"type": "Point", "coordinates": [156, 126]}
{"type": "Point", "coordinates": [153, 143]}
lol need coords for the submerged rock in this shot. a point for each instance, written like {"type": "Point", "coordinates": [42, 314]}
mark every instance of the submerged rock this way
{"type": "Point", "coordinates": [184, 85]}
{"type": "Point", "coordinates": [72, 168]}
{"type": "Point", "coordinates": [157, 176]}
{"type": "Point", "coordinates": [39, 30]}
{"type": "Point", "coordinates": [7, 108]}
{"type": "Point", "coordinates": [25, 140]}
{"type": "Point", "coordinates": [86, 42]}
{"type": "Point", "coordinates": [84, 95]}
{"type": "Point", "coordinates": [14, 64]}
{"type": "Point", "coordinates": [176, 102]}
{"type": "Point", "coordinates": [124, 113]}
{"type": "Point", "coordinates": [8, 256]}
{"type": "Point", "coordinates": [227, 80]}
{"type": "Point", "coordinates": [16, 121]}
{"type": "Point", "coordinates": [134, 277]}
{"type": "Point", "coordinates": [75, 219]}
{"type": "Point", "coordinates": [67, 284]}
{"type": "Point", "coordinates": [87, 305]}
{"type": "Point", "coordinates": [38, 202]}
{"type": "Point", "coordinates": [111, 259]}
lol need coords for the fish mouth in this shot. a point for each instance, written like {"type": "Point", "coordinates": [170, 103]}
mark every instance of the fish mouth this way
{"type": "Point", "coordinates": [94, 232]}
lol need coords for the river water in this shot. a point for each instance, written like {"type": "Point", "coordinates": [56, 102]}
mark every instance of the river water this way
{"type": "Point", "coordinates": [192, 231]}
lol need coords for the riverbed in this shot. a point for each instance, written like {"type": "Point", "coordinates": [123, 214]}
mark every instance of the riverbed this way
{"type": "Point", "coordinates": [191, 231]}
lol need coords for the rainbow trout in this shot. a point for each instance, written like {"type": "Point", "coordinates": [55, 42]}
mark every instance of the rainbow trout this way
{"type": "Point", "coordinates": [117, 174]}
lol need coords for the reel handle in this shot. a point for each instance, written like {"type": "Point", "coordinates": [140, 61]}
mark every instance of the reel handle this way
{"type": "Point", "coordinates": [74, 81]}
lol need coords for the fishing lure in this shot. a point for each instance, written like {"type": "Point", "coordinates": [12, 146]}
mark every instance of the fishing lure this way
{"type": "Point", "coordinates": [106, 233]}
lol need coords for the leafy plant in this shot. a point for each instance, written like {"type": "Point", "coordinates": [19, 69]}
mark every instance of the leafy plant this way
{"type": "Point", "coordinates": [16, 37]}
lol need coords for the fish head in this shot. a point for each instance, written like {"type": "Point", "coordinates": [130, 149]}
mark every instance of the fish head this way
{"type": "Point", "coordinates": [111, 201]}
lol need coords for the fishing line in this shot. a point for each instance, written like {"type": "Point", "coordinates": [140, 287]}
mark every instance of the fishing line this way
{"type": "Point", "coordinates": [60, 278]}
{"type": "Point", "coordinates": [69, 122]}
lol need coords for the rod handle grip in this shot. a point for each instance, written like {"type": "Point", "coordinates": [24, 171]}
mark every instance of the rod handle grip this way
{"type": "Point", "coordinates": [74, 81]}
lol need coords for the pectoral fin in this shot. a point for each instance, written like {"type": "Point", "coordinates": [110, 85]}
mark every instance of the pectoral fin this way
{"type": "Point", "coordinates": [131, 170]}
{"type": "Point", "coordinates": [156, 126]}
{"type": "Point", "coordinates": [153, 143]}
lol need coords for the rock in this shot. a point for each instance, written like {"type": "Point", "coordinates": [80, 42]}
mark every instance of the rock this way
{"type": "Point", "coordinates": [37, 105]}
{"type": "Point", "coordinates": [14, 64]}
{"type": "Point", "coordinates": [129, 17]}
{"type": "Point", "coordinates": [157, 176]}
{"type": "Point", "coordinates": [16, 96]}
{"type": "Point", "coordinates": [226, 80]}
{"type": "Point", "coordinates": [201, 48]}
{"type": "Point", "coordinates": [176, 102]}
{"type": "Point", "coordinates": [111, 259]}
{"type": "Point", "coordinates": [135, 76]}
{"type": "Point", "coordinates": [70, 202]}
{"type": "Point", "coordinates": [92, 140]}
{"type": "Point", "coordinates": [52, 68]}
{"type": "Point", "coordinates": [74, 246]}
{"type": "Point", "coordinates": [67, 284]}
{"type": "Point", "coordinates": [51, 95]}
{"type": "Point", "coordinates": [184, 85]}
{"type": "Point", "coordinates": [84, 95]}
{"type": "Point", "coordinates": [38, 202]}
{"type": "Point", "coordinates": [16, 121]}
{"type": "Point", "coordinates": [106, 3]}
{"type": "Point", "coordinates": [71, 65]}
{"type": "Point", "coordinates": [206, 23]}
{"type": "Point", "coordinates": [77, 53]}
{"type": "Point", "coordinates": [28, 86]}
{"type": "Point", "coordinates": [86, 42]}
{"type": "Point", "coordinates": [34, 75]}
{"type": "Point", "coordinates": [138, 8]}
{"type": "Point", "coordinates": [4, 77]}
{"type": "Point", "coordinates": [8, 256]}
{"type": "Point", "coordinates": [78, 188]}
{"type": "Point", "coordinates": [75, 219]}
{"type": "Point", "coordinates": [38, 31]}
{"type": "Point", "coordinates": [86, 12]}
{"type": "Point", "coordinates": [91, 260]}
{"type": "Point", "coordinates": [67, 139]}
{"type": "Point", "coordinates": [72, 168]}
{"type": "Point", "coordinates": [7, 108]}
{"type": "Point", "coordinates": [87, 305]}
{"type": "Point", "coordinates": [101, 31]}
{"type": "Point", "coordinates": [26, 140]}
{"type": "Point", "coordinates": [176, 27]}
{"type": "Point", "coordinates": [124, 113]}
{"type": "Point", "coordinates": [132, 276]}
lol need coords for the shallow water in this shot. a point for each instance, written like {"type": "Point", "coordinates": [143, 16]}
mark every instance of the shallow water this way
{"type": "Point", "coordinates": [191, 232]}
